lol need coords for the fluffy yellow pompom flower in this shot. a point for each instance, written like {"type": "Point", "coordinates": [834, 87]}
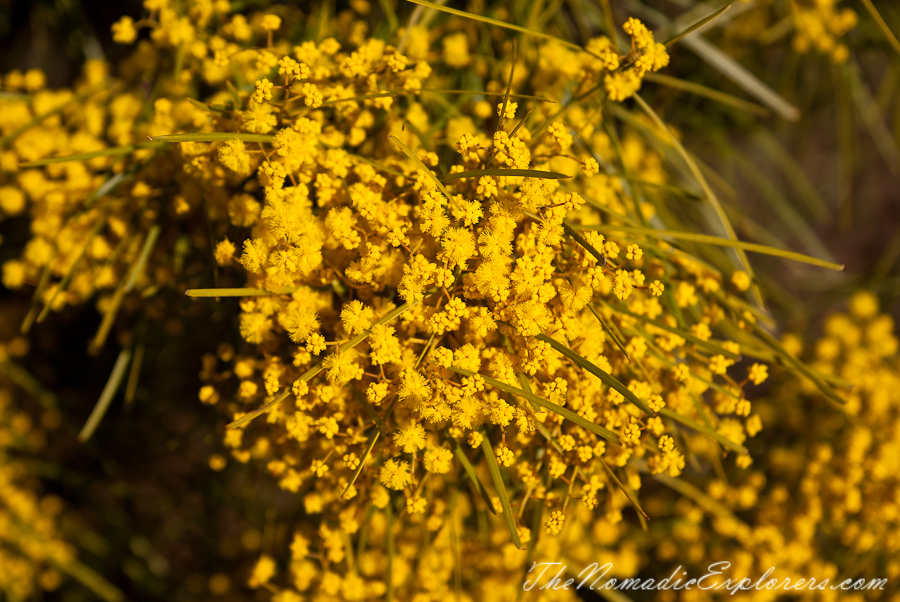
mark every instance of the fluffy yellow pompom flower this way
{"type": "Point", "coordinates": [357, 316]}
{"type": "Point", "coordinates": [395, 474]}
{"type": "Point", "coordinates": [410, 439]}
{"type": "Point", "coordinates": [341, 368]}
{"type": "Point", "coordinates": [233, 155]}
{"type": "Point", "coordinates": [457, 246]}
{"type": "Point", "coordinates": [438, 460]}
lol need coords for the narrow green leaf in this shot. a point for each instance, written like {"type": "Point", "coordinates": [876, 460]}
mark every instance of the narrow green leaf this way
{"type": "Point", "coordinates": [107, 152]}
{"type": "Point", "coordinates": [696, 26]}
{"type": "Point", "coordinates": [885, 30]}
{"type": "Point", "coordinates": [610, 332]}
{"type": "Point", "coordinates": [237, 292]}
{"type": "Point", "coordinates": [725, 64]}
{"type": "Point", "coordinates": [667, 187]}
{"type": "Point", "coordinates": [391, 551]}
{"type": "Point", "coordinates": [703, 429]}
{"type": "Point", "coordinates": [88, 578]}
{"type": "Point", "coordinates": [717, 240]}
{"type": "Point", "coordinates": [793, 172]}
{"type": "Point", "coordinates": [512, 71]}
{"type": "Point", "coordinates": [412, 156]}
{"type": "Point", "coordinates": [549, 437]}
{"type": "Point", "coordinates": [713, 199]}
{"type": "Point", "coordinates": [208, 108]}
{"type": "Point", "coordinates": [369, 409]}
{"type": "Point", "coordinates": [470, 471]}
{"type": "Point", "coordinates": [149, 243]}
{"type": "Point", "coordinates": [109, 391]}
{"type": "Point", "coordinates": [521, 173]}
{"type": "Point", "coordinates": [705, 92]}
{"type": "Point", "coordinates": [495, 22]}
{"type": "Point", "coordinates": [56, 111]}
{"type": "Point", "coordinates": [334, 101]}
{"type": "Point", "coordinates": [781, 350]}
{"type": "Point", "coordinates": [373, 438]}
{"type": "Point", "coordinates": [68, 275]}
{"type": "Point", "coordinates": [137, 362]}
{"type": "Point", "coordinates": [625, 490]}
{"type": "Point", "coordinates": [213, 137]}
{"type": "Point", "coordinates": [682, 333]}
{"type": "Point", "coordinates": [112, 183]}
{"type": "Point", "coordinates": [110, 315]}
{"type": "Point", "coordinates": [608, 379]}
{"type": "Point", "coordinates": [548, 405]}
{"type": "Point", "coordinates": [697, 496]}
{"type": "Point", "coordinates": [784, 210]}
{"type": "Point", "coordinates": [523, 382]}
{"type": "Point", "coordinates": [580, 240]}
{"type": "Point", "coordinates": [872, 116]}
{"type": "Point", "coordinates": [501, 489]}
{"type": "Point", "coordinates": [28, 383]}
{"type": "Point", "coordinates": [482, 92]}
{"type": "Point", "coordinates": [387, 7]}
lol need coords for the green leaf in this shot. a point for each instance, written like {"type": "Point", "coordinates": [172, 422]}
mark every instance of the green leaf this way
{"type": "Point", "coordinates": [39, 118]}
{"type": "Point", "coordinates": [523, 173]}
{"type": "Point", "coordinates": [236, 292]}
{"type": "Point", "coordinates": [418, 162]}
{"type": "Point", "coordinates": [495, 22]}
{"type": "Point", "coordinates": [501, 489]}
{"type": "Point", "coordinates": [700, 428]}
{"type": "Point", "coordinates": [580, 240]}
{"type": "Point", "coordinates": [608, 379]}
{"type": "Point", "coordinates": [109, 391]}
{"type": "Point", "coordinates": [512, 71]}
{"type": "Point", "coordinates": [705, 92]}
{"type": "Point", "coordinates": [107, 152]}
{"type": "Point", "coordinates": [88, 578]}
{"type": "Point", "coordinates": [782, 351]}
{"type": "Point", "coordinates": [885, 30]}
{"type": "Point", "coordinates": [28, 383]}
{"type": "Point", "coordinates": [373, 438]}
{"type": "Point", "coordinates": [124, 288]}
{"type": "Point", "coordinates": [713, 199]}
{"type": "Point", "coordinates": [548, 405]}
{"type": "Point", "coordinates": [208, 108]}
{"type": "Point", "coordinates": [682, 333]}
{"type": "Point", "coordinates": [369, 409]}
{"type": "Point", "coordinates": [68, 275]}
{"type": "Point", "coordinates": [470, 471]}
{"type": "Point", "coordinates": [716, 240]}
{"type": "Point", "coordinates": [625, 490]}
{"type": "Point", "coordinates": [482, 92]}
{"type": "Point", "coordinates": [700, 498]}
{"type": "Point", "coordinates": [213, 137]}
{"type": "Point", "coordinates": [696, 26]}
{"type": "Point", "coordinates": [610, 332]}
